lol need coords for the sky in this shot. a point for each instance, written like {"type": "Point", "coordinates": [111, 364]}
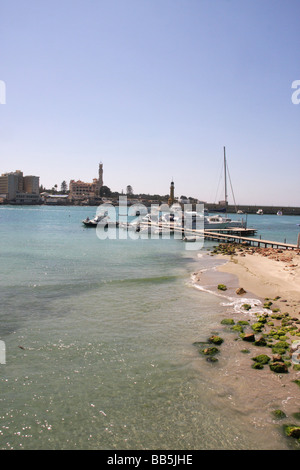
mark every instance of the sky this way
{"type": "Point", "coordinates": [154, 89]}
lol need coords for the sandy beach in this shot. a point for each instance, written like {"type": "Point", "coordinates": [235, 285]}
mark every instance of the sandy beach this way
{"type": "Point", "coordinates": [267, 273]}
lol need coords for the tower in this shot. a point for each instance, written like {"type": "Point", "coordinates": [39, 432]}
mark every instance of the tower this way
{"type": "Point", "coordinates": [171, 198]}
{"type": "Point", "coordinates": [99, 181]}
{"type": "Point", "coordinates": [100, 172]}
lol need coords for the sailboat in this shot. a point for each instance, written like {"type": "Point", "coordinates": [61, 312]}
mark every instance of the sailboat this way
{"type": "Point", "coordinates": [221, 221]}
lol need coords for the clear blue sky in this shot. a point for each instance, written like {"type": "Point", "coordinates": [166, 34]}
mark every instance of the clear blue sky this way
{"type": "Point", "coordinates": [154, 89]}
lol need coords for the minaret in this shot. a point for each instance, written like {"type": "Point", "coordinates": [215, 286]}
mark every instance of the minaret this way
{"type": "Point", "coordinates": [100, 179]}
{"type": "Point", "coordinates": [171, 198]}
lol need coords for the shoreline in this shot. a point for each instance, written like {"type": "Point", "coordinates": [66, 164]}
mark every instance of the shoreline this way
{"type": "Point", "coordinates": [268, 273]}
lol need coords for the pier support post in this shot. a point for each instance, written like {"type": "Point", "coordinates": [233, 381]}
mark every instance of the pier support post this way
{"type": "Point", "coordinates": [298, 241]}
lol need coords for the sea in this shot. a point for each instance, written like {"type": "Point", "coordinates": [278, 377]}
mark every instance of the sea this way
{"type": "Point", "coordinates": [99, 341]}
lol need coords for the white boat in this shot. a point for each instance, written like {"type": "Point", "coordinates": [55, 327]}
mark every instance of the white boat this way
{"type": "Point", "coordinates": [215, 222]}
{"type": "Point", "coordinates": [218, 221]}
{"type": "Point", "coordinates": [260, 212]}
{"type": "Point", "coordinates": [279, 213]}
{"type": "Point", "coordinates": [99, 219]}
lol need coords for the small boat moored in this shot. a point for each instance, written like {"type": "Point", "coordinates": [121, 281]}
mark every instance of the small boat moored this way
{"type": "Point", "coordinates": [102, 219]}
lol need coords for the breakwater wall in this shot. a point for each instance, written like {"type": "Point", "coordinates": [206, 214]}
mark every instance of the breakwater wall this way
{"type": "Point", "coordinates": [248, 209]}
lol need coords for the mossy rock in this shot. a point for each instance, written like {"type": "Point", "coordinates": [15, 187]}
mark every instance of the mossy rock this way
{"type": "Point", "coordinates": [216, 340]}
{"type": "Point", "coordinates": [228, 321]}
{"type": "Point", "coordinates": [243, 322]}
{"type": "Point", "coordinates": [212, 359]}
{"type": "Point", "coordinates": [222, 287]}
{"type": "Point", "coordinates": [246, 306]}
{"type": "Point", "coordinates": [292, 430]}
{"type": "Point", "coordinates": [238, 328]}
{"type": "Point", "coordinates": [277, 316]}
{"type": "Point", "coordinates": [278, 414]}
{"type": "Point", "coordinates": [296, 367]}
{"type": "Point", "coordinates": [210, 351]}
{"type": "Point", "coordinates": [280, 347]}
{"type": "Point", "coordinates": [245, 351]}
{"type": "Point", "coordinates": [257, 365]}
{"type": "Point", "coordinates": [262, 319]}
{"type": "Point", "coordinates": [262, 359]}
{"type": "Point", "coordinates": [297, 382]}
{"type": "Point", "coordinates": [257, 327]}
{"type": "Point", "coordinates": [249, 337]}
{"type": "Point", "coordinates": [279, 367]}
{"type": "Point", "coordinates": [260, 342]}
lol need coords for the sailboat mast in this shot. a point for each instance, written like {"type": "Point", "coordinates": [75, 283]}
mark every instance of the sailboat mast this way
{"type": "Point", "coordinates": [225, 179]}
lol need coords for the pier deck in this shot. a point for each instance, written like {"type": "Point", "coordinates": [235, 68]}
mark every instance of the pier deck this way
{"type": "Point", "coordinates": [230, 235]}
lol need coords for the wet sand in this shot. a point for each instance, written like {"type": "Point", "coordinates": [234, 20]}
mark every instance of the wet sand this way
{"type": "Point", "coordinates": [267, 273]}
{"type": "Point", "coordinates": [263, 274]}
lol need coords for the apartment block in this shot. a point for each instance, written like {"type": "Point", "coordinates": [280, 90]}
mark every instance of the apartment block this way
{"type": "Point", "coordinates": [19, 189]}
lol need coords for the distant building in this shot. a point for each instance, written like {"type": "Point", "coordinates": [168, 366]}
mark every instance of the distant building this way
{"type": "Point", "coordinates": [31, 184]}
{"type": "Point", "coordinates": [54, 199]}
{"type": "Point", "coordinates": [80, 190]}
{"type": "Point", "coordinates": [19, 189]}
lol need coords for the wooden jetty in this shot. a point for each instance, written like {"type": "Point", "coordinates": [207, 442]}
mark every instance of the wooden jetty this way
{"type": "Point", "coordinates": [230, 235]}
{"type": "Point", "coordinates": [234, 238]}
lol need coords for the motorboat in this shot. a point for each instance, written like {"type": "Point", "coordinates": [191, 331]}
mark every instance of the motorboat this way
{"type": "Point", "coordinates": [99, 219]}
{"type": "Point", "coordinates": [279, 213]}
{"type": "Point", "coordinates": [260, 212]}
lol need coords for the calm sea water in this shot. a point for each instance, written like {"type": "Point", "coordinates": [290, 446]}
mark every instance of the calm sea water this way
{"type": "Point", "coordinates": [99, 343]}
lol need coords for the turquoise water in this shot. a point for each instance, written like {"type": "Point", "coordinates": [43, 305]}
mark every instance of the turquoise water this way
{"type": "Point", "coordinates": [99, 343]}
{"type": "Point", "coordinates": [275, 228]}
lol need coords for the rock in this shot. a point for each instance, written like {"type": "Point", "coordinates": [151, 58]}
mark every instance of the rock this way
{"type": "Point", "coordinates": [277, 358]}
{"type": "Point", "coordinates": [240, 291]}
{"type": "Point", "coordinates": [246, 306]}
{"type": "Point", "coordinates": [262, 359]}
{"type": "Point", "coordinates": [227, 321]}
{"type": "Point", "coordinates": [260, 341]}
{"type": "Point", "coordinates": [212, 359]}
{"type": "Point", "coordinates": [257, 365]}
{"type": "Point", "coordinates": [278, 414]}
{"type": "Point", "coordinates": [216, 339]}
{"type": "Point", "coordinates": [279, 367]}
{"type": "Point", "coordinates": [210, 351]}
{"type": "Point", "coordinates": [250, 337]}
{"type": "Point", "coordinates": [292, 431]}
{"type": "Point", "coordinates": [280, 347]}
{"type": "Point", "coordinates": [222, 287]}
{"type": "Point", "coordinates": [257, 327]}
